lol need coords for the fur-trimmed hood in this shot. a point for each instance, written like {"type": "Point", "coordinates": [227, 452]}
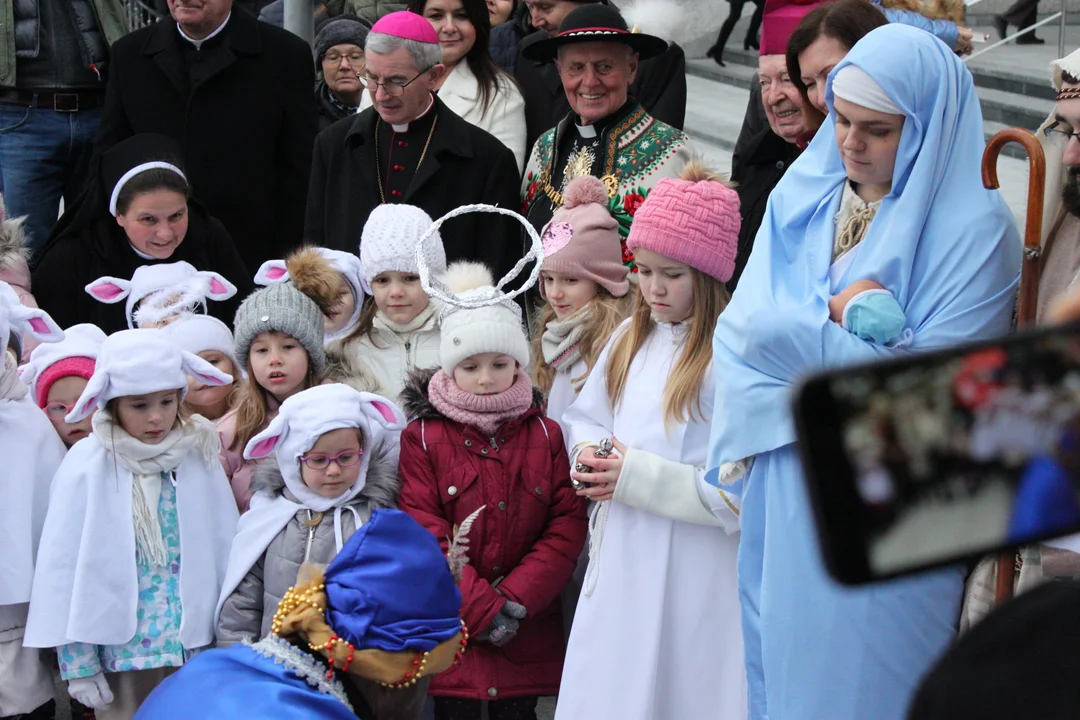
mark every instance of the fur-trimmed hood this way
{"type": "Point", "coordinates": [414, 398]}
{"type": "Point", "coordinates": [380, 486]}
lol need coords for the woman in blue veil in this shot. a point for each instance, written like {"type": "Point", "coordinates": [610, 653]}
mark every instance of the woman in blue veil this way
{"type": "Point", "coordinates": [949, 253]}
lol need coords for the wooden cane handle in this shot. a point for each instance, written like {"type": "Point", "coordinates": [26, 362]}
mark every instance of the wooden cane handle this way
{"type": "Point", "coordinates": [1029, 275]}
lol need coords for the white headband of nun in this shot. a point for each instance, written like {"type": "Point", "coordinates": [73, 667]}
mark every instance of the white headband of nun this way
{"type": "Point", "coordinates": [156, 165]}
{"type": "Point", "coordinates": [853, 84]}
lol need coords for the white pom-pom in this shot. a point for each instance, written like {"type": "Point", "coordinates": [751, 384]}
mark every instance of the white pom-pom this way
{"type": "Point", "coordinates": [463, 276]}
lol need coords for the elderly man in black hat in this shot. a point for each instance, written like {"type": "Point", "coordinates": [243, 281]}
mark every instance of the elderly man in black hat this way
{"type": "Point", "coordinates": [597, 58]}
{"type": "Point", "coordinates": [659, 84]}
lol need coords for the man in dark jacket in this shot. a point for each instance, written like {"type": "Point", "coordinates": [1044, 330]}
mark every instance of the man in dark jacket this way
{"type": "Point", "coordinates": [410, 148]}
{"type": "Point", "coordinates": [53, 58]}
{"type": "Point", "coordinates": [660, 85]}
{"type": "Point", "coordinates": [237, 95]}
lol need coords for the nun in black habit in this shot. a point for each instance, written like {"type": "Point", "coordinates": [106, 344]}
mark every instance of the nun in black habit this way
{"type": "Point", "coordinates": [137, 210]}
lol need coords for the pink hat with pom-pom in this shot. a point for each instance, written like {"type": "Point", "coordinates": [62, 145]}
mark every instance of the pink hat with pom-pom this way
{"type": "Point", "coordinates": [582, 238]}
{"type": "Point", "coordinates": [408, 26]}
{"type": "Point", "coordinates": [693, 219]}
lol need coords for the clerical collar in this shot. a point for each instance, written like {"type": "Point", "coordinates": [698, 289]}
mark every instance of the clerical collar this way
{"type": "Point", "coordinates": [586, 131]}
{"type": "Point", "coordinates": [198, 43]}
{"type": "Point", "coordinates": [405, 127]}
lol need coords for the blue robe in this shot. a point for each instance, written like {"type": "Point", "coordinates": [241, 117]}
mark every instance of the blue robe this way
{"type": "Point", "coordinates": [248, 681]}
{"type": "Point", "coordinates": [949, 252]}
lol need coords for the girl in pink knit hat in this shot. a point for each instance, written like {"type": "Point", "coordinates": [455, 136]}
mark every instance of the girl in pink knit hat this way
{"type": "Point", "coordinates": [661, 581]}
{"type": "Point", "coordinates": [57, 374]}
{"type": "Point", "coordinates": [585, 285]}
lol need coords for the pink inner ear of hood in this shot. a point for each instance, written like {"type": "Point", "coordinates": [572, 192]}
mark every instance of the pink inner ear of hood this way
{"type": "Point", "coordinates": [217, 287]}
{"type": "Point", "coordinates": [107, 291]}
{"type": "Point", "coordinates": [264, 447]}
{"type": "Point", "coordinates": [276, 273]}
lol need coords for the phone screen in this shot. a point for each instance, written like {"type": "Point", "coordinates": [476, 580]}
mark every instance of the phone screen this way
{"type": "Point", "coordinates": [932, 459]}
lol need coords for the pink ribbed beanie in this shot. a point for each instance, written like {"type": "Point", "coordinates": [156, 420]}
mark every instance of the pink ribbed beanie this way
{"type": "Point", "coordinates": [692, 221]}
{"type": "Point", "coordinates": [68, 367]}
{"type": "Point", "coordinates": [582, 238]}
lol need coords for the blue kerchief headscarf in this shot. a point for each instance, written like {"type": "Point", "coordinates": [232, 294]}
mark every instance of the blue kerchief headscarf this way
{"type": "Point", "coordinates": [390, 587]}
{"type": "Point", "coordinates": [943, 245]}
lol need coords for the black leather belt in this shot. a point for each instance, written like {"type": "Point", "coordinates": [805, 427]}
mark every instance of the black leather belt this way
{"type": "Point", "coordinates": [73, 101]}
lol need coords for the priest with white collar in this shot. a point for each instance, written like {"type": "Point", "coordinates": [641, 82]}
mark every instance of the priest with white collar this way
{"type": "Point", "coordinates": [607, 132]}
{"type": "Point", "coordinates": [410, 148]}
{"type": "Point", "coordinates": [235, 94]}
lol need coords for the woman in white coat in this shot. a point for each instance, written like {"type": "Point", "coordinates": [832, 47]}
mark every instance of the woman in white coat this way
{"type": "Point", "coordinates": [473, 86]}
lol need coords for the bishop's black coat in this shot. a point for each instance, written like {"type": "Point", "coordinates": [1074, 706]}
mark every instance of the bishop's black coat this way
{"type": "Point", "coordinates": [243, 111]}
{"type": "Point", "coordinates": [660, 87]}
{"type": "Point", "coordinates": [463, 165]}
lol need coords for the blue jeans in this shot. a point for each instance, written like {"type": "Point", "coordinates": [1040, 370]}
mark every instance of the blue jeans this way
{"type": "Point", "coordinates": [44, 155]}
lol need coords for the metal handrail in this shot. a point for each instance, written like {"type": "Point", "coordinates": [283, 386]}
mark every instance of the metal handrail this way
{"type": "Point", "coordinates": [1059, 15]}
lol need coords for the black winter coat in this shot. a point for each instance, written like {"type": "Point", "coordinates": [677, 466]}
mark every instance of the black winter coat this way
{"type": "Point", "coordinates": [660, 87]}
{"type": "Point", "coordinates": [756, 173]}
{"type": "Point", "coordinates": [505, 39]}
{"type": "Point", "coordinates": [463, 165]}
{"type": "Point", "coordinates": [246, 131]}
{"type": "Point", "coordinates": [74, 259]}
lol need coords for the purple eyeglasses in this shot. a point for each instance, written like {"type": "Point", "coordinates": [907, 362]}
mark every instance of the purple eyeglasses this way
{"type": "Point", "coordinates": [318, 461]}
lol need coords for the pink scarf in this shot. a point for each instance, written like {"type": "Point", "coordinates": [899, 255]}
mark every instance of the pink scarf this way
{"type": "Point", "coordinates": [484, 412]}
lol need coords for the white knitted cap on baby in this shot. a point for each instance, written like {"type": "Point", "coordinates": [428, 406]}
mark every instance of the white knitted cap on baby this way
{"type": "Point", "coordinates": [389, 240]}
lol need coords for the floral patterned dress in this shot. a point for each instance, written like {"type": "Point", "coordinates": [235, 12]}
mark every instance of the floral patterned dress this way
{"type": "Point", "coordinates": [630, 151]}
{"type": "Point", "coordinates": [156, 643]}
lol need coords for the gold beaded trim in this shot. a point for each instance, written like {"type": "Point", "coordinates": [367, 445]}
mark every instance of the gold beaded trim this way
{"type": "Point", "coordinates": [419, 663]}
{"type": "Point", "coordinates": [295, 600]}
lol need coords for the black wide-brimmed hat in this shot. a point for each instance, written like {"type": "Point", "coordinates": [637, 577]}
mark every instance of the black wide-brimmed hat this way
{"type": "Point", "coordinates": [594, 23]}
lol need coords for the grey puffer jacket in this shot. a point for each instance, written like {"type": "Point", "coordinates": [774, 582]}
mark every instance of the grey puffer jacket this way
{"type": "Point", "coordinates": [248, 611]}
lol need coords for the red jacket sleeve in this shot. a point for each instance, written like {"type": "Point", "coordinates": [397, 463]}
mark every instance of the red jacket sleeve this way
{"type": "Point", "coordinates": [420, 498]}
{"type": "Point", "coordinates": [543, 573]}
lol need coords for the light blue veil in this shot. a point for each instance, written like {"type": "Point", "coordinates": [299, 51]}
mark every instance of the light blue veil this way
{"type": "Point", "coordinates": [946, 247]}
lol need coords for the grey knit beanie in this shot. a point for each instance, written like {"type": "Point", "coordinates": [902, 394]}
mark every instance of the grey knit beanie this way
{"type": "Point", "coordinates": [283, 308]}
{"type": "Point", "coordinates": [344, 29]}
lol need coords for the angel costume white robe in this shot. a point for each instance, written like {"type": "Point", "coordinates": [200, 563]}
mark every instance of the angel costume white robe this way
{"type": "Point", "coordinates": [32, 452]}
{"type": "Point", "coordinates": [655, 639]}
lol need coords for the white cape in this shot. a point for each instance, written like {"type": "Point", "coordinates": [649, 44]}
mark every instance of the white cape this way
{"type": "Point", "coordinates": [660, 635]}
{"type": "Point", "coordinates": [86, 583]}
{"type": "Point", "coordinates": [31, 452]}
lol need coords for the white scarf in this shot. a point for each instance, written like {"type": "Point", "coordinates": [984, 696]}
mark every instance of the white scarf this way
{"type": "Point", "coordinates": [413, 325]}
{"type": "Point", "coordinates": [149, 464]}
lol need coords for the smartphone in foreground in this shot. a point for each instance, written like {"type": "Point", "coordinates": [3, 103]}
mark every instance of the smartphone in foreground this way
{"type": "Point", "coordinates": [944, 457]}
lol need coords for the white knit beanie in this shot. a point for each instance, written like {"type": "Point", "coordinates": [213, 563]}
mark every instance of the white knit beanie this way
{"type": "Point", "coordinates": [478, 316]}
{"type": "Point", "coordinates": [495, 328]}
{"type": "Point", "coordinates": [389, 242]}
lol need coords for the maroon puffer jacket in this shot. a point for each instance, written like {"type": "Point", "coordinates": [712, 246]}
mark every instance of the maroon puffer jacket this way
{"type": "Point", "coordinates": [528, 537]}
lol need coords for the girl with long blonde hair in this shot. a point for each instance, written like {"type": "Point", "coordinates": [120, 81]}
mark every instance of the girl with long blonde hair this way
{"type": "Point", "coordinates": [662, 543]}
{"type": "Point", "coordinates": [585, 285]}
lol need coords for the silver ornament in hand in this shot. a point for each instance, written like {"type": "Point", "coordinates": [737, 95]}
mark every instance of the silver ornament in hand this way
{"type": "Point", "coordinates": [603, 451]}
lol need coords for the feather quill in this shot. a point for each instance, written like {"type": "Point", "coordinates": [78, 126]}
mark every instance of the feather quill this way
{"type": "Point", "coordinates": [457, 556]}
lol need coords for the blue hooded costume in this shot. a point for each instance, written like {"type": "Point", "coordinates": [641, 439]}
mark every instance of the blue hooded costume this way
{"type": "Point", "coordinates": [949, 252]}
{"type": "Point", "coordinates": [388, 589]}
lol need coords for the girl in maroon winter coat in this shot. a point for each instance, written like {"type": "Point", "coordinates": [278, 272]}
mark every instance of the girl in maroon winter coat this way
{"type": "Point", "coordinates": [481, 446]}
